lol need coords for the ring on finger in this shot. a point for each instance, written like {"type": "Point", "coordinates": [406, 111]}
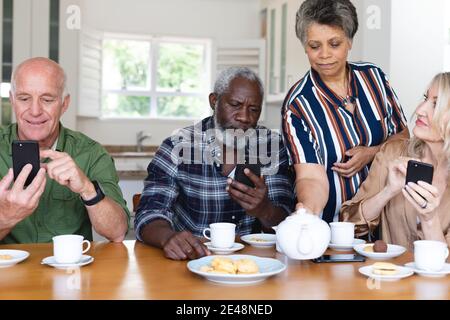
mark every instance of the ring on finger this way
{"type": "Point", "coordinates": [424, 205]}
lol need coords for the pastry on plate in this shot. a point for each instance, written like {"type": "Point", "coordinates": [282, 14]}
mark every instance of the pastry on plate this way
{"type": "Point", "coordinates": [380, 246]}
{"type": "Point", "coordinates": [384, 268]}
{"type": "Point", "coordinates": [246, 266]}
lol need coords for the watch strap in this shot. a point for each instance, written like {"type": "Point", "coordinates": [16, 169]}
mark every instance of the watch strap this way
{"type": "Point", "coordinates": [99, 197]}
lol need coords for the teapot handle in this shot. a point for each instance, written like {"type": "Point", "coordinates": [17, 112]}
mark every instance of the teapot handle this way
{"type": "Point", "coordinates": [304, 245]}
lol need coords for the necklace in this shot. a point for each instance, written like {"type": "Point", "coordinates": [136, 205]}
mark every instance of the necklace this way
{"type": "Point", "coordinates": [349, 100]}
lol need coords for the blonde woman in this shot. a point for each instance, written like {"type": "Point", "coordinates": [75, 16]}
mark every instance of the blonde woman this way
{"type": "Point", "coordinates": [413, 211]}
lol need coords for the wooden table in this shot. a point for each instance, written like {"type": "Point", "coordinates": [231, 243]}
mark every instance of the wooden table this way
{"type": "Point", "coordinates": [131, 270]}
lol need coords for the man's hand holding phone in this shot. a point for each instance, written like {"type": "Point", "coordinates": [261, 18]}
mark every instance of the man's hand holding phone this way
{"type": "Point", "coordinates": [17, 201]}
{"type": "Point", "coordinates": [253, 200]}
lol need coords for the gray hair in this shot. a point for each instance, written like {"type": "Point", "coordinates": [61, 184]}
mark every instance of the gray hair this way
{"type": "Point", "coordinates": [226, 76]}
{"type": "Point", "coordinates": [50, 63]}
{"type": "Point", "coordinates": [339, 13]}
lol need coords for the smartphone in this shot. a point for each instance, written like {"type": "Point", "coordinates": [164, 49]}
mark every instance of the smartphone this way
{"type": "Point", "coordinates": [241, 177]}
{"type": "Point", "coordinates": [24, 152]}
{"type": "Point", "coordinates": [340, 258]}
{"type": "Point", "coordinates": [419, 171]}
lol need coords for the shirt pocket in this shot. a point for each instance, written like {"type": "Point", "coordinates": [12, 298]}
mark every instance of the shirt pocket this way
{"type": "Point", "coordinates": [67, 212]}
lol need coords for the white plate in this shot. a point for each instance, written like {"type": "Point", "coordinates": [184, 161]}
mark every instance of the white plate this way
{"type": "Point", "coordinates": [85, 259]}
{"type": "Point", "coordinates": [403, 272]}
{"type": "Point", "coordinates": [236, 247]}
{"type": "Point", "coordinates": [435, 274]}
{"type": "Point", "coordinates": [340, 247]}
{"type": "Point", "coordinates": [17, 256]}
{"type": "Point", "coordinates": [393, 251]}
{"type": "Point", "coordinates": [267, 267]}
{"type": "Point", "coordinates": [260, 240]}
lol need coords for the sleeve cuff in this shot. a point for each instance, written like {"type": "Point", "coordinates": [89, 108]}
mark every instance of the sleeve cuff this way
{"type": "Point", "coordinates": [148, 219]}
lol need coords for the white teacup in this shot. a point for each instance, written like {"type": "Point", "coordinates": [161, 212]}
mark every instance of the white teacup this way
{"type": "Point", "coordinates": [342, 233]}
{"type": "Point", "coordinates": [222, 234]}
{"type": "Point", "coordinates": [69, 248]}
{"type": "Point", "coordinates": [430, 255]}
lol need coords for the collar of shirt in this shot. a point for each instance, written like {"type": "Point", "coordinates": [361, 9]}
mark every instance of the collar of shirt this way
{"type": "Point", "coordinates": [58, 145]}
{"type": "Point", "coordinates": [329, 94]}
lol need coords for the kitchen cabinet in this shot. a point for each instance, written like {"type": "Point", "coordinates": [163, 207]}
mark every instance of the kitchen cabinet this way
{"type": "Point", "coordinates": [286, 60]}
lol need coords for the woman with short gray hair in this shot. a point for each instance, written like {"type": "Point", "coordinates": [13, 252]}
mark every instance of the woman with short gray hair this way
{"type": "Point", "coordinates": [336, 117]}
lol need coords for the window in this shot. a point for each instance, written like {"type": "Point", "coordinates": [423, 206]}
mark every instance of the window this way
{"type": "Point", "coordinates": [155, 77]}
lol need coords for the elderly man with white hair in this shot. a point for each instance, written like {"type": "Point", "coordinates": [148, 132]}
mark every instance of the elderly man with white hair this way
{"type": "Point", "coordinates": [191, 183]}
{"type": "Point", "coordinates": [76, 187]}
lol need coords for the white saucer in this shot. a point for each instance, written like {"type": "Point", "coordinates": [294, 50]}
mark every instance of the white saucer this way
{"type": "Point", "coordinates": [393, 251]}
{"type": "Point", "coordinates": [343, 247]}
{"type": "Point", "coordinates": [236, 247]}
{"type": "Point", "coordinates": [15, 255]}
{"type": "Point", "coordinates": [435, 274]}
{"type": "Point", "coordinates": [403, 272]}
{"type": "Point", "coordinates": [85, 259]}
{"type": "Point", "coordinates": [260, 240]}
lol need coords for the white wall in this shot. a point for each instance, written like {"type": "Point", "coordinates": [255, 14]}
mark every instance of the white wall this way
{"type": "Point", "coordinates": [369, 44]}
{"type": "Point", "coordinates": [417, 47]}
{"type": "Point", "coordinates": [215, 19]}
{"type": "Point", "coordinates": [68, 59]}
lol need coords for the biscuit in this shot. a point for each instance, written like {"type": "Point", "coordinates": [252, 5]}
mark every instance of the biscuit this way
{"type": "Point", "coordinates": [225, 265]}
{"type": "Point", "coordinates": [246, 266]}
{"type": "Point", "coordinates": [5, 257]}
{"type": "Point", "coordinates": [228, 266]}
{"type": "Point", "coordinates": [368, 248]}
{"type": "Point", "coordinates": [384, 268]}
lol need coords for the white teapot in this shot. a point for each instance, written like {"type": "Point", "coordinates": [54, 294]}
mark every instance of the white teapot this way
{"type": "Point", "coordinates": [303, 235]}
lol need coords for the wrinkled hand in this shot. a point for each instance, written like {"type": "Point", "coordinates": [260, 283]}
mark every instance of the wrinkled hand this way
{"type": "Point", "coordinates": [253, 200]}
{"type": "Point", "coordinates": [397, 175]}
{"type": "Point", "coordinates": [359, 157]}
{"type": "Point", "coordinates": [184, 245]}
{"type": "Point", "coordinates": [65, 171]}
{"type": "Point", "coordinates": [424, 197]}
{"type": "Point", "coordinates": [18, 202]}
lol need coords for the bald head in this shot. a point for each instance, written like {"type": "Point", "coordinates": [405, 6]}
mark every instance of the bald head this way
{"type": "Point", "coordinates": [44, 65]}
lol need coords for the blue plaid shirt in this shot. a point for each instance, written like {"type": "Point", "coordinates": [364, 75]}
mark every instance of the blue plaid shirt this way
{"type": "Point", "coordinates": [190, 195]}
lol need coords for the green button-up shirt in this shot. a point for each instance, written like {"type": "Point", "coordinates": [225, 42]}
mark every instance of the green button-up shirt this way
{"type": "Point", "coordinates": [60, 210]}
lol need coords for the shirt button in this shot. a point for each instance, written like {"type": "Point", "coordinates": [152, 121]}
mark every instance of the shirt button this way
{"type": "Point", "coordinates": [233, 217]}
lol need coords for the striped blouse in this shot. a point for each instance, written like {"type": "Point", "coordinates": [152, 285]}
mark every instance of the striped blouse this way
{"type": "Point", "coordinates": [318, 129]}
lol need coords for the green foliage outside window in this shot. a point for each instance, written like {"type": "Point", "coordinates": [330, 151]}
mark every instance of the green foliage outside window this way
{"type": "Point", "coordinates": [180, 67]}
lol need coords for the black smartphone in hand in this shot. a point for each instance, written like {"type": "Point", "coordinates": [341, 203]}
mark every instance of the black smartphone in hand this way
{"type": "Point", "coordinates": [24, 152]}
{"type": "Point", "coordinates": [240, 176]}
{"type": "Point", "coordinates": [339, 258]}
{"type": "Point", "coordinates": [419, 171]}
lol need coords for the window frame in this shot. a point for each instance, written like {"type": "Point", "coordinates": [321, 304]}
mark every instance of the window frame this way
{"type": "Point", "coordinates": [152, 92]}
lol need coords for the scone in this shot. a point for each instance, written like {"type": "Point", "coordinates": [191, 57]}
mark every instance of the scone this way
{"type": "Point", "coordinates": [206, 268]}
{"type": "Point", "coordinates": [368, 248]}
{"type": "Point", "coordinates": [223, 265]}
{"type": "Point", "coordinates": [384, 268]}
{"type": "Point", "coordinates": [246, 266]}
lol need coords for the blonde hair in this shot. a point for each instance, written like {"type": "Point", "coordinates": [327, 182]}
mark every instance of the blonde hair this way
{"type": "Point", "coordinates": [441, 117]}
